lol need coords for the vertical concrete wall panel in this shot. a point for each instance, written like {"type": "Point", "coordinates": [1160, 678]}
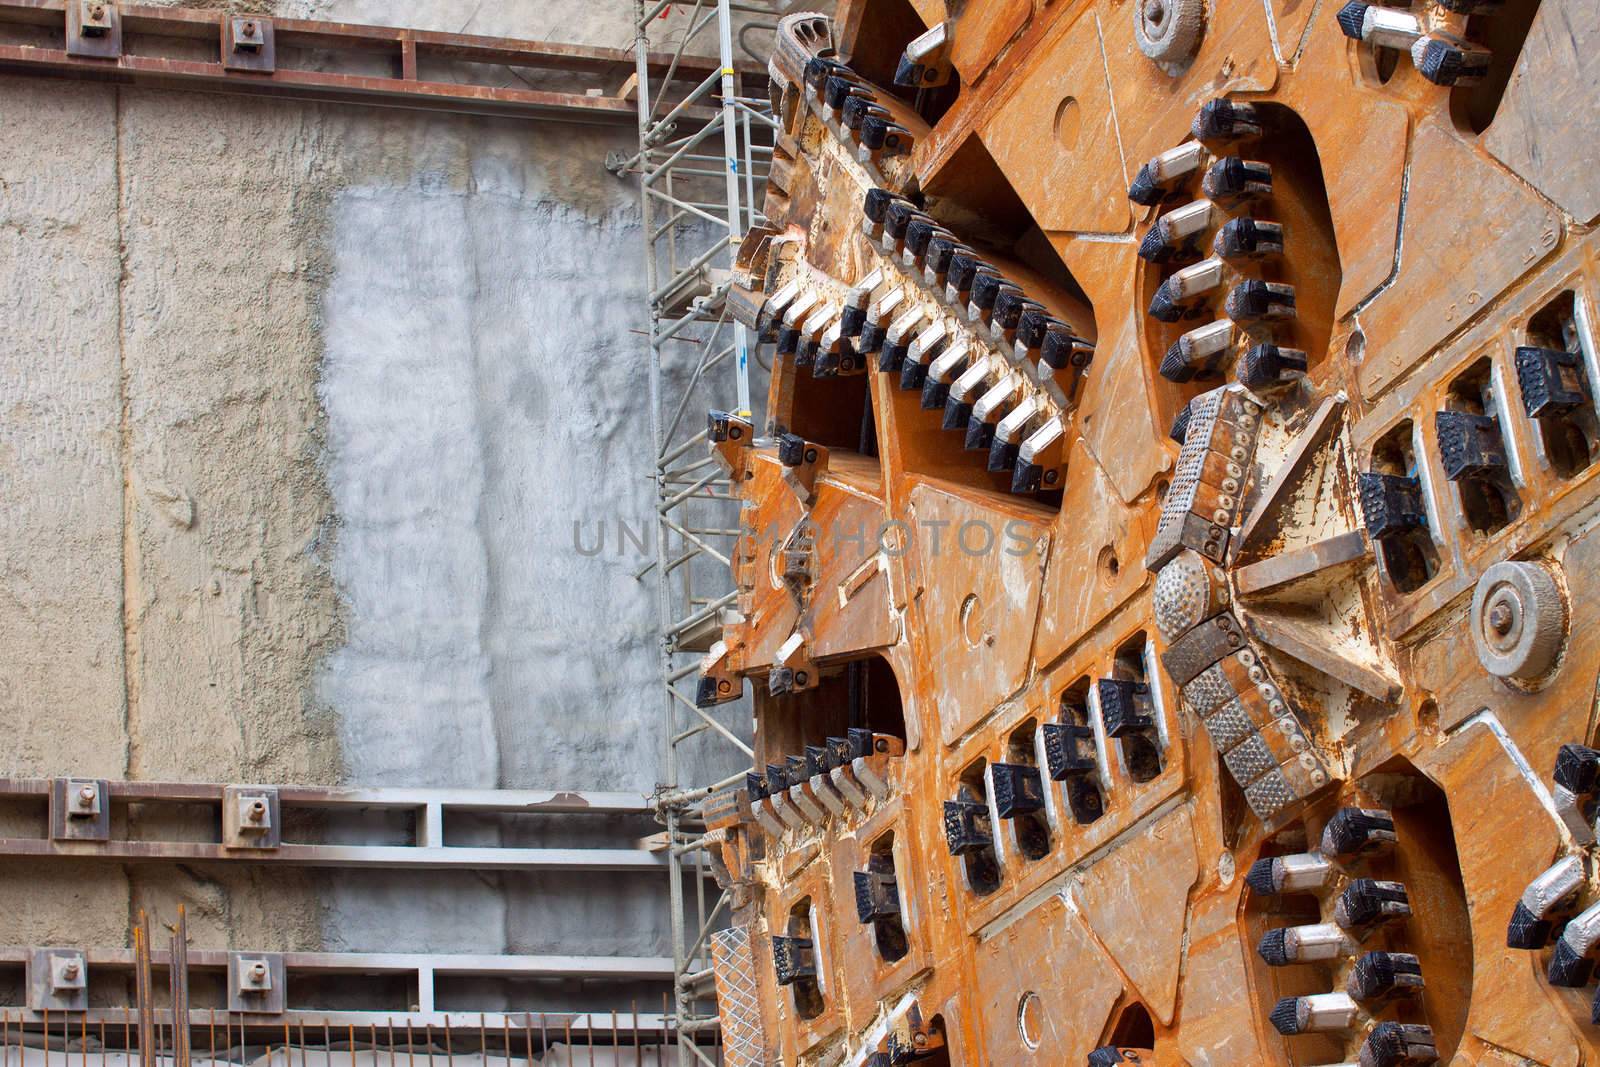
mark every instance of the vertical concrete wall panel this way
{"type": "Point", "coordinates": [61, 679]}
{"type": "Point", "coordinates": [232, 603]}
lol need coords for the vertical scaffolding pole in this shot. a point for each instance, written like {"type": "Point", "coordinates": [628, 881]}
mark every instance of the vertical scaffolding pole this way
{"type": "Point", "coordinates": [693, 224]}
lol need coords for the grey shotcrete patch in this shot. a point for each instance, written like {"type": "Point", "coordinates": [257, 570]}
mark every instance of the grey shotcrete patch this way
{"type": "Point", "coordinates": [485, 391]}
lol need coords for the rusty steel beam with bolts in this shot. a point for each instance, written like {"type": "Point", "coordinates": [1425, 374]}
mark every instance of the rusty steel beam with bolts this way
{"type": "Point", "coordinates": [302, 58]}
{"type": "Point", "coordinates": [79, 824]}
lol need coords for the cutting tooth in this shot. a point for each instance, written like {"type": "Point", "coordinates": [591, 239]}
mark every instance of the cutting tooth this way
{"type": "Point", "coordinates": [799, 310]}
{"type": "Point", "coordinates": [881, 137]}
{"type": "Point", "coordinates": [1178, 431]}
{"type": "Point", "coordinates": [1378, 976]}
{"type": "Point", "coordinates": [896, 221]}
{"type": "Point", "coordinates": [1351, 18]}
{"type": "Point", "coordinates": [1033, 326]}
{"type": "Point", "coordinates": [1352, 831]}
{"type": "Point", "coordinates": [1445, 59]}
{"type": "Point", "coordinates": [1317, 1013]}
{"type": "Point", "coordinates": [942, 248]}
{"type": "Point", "coordinates": [875, 211]}
{"type": "Point", "coordinates": [1226, 120]}
{"type": "Point", "coordinates": [963, 391]}
{"type": "Point", "coordinates": [1232, 180]}
{"type": "Point", "coordinates": [811, 333]}
{"type": "Point", "coordinates": [1547, 896]}
{"type": "Point", "coordinates": [1571, 964]}
{"type": "Point", "coordinates": [1009, 308]}
{"type": "Point", "coordinates": [836, 90]}
{"type": "Point", "coordinates": [772, 311]}
{"type": "Point", "coordinates": [832, 356]}
{"type": "Point", "coordinates": [836, 353]}
{"type": "Point", "coordinates": [1304, 944]}
{"type": "Point", "coordinates": [919, 234]}
{"type": "Point", "coordinates": [1569, 806]}
{"type": "Point", "coordinates": [1197, 353]}
{"type": "Point", "coordinates": [879, 314]}
{"type": "Point", "coordinates": [812, 329]}
{"type": "Point", "coordinates": [1248, 239]}
{"type": "Point", "coordinates": [1063, 363]}
{"type": "Point", "coordinates": [955, 356]}
{"type": "Point", "coordinates": [964, 267]}
{"type": "Point", "coordinates": [1177, 232]}
{"type": "Point", "coordinates": [943, 372]}
{"type": "Point", "coordinates": [1366, 903]}
{"type": "Point", "coordinates": [1268, 366]}
{"type": "Point", "coordinates": [989, 409]}
{"type": "Point", "coordinates": [1577, 776]}
{"type": "Point", "coordinates": [854, 115]}
{"type": "Point", "coordinates": [1175, 296]}
{"type": "Point", "coordinates": [897, 338]}
{"type": "Point", "coordinates": [1165, 172]}
{"type": "Point", "coordinates": [1032, 472]}
{"type": "Point", "coordinates": [1397, 1044]}
{"type": "Point", "coordinates": [923, 347]}
{"type": "Point", "coordinates": [986, 290]}
{"type": "Point", "coordinates": [925, 63]}
{"type": "Point", "coordinates": [1381, 27]}
{"type": "Point", "coordinates": [1299, 873]}
{"type": "Point", "coordinates": [1259, 301]}
{"type": "Point", "coordinates": [861, 293]}
{"type": "Point", "coordinates": [856, 302]}
{"type": "Point", "coordinates": [817, 72]}
{"type": "Point", "coordinates": [1009, 432]}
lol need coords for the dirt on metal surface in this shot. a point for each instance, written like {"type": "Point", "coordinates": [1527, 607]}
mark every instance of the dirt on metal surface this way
{"type": "Point", "coordinates": [1165, 564]}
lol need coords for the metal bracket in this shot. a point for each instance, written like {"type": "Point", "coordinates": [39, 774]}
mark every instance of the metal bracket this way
{"type": "Point", "coordinates": [255, 982]}
{"type": "Point", "coordinates": [249, 44]}
{"type": "Point", "coordinates": [58, 980]}
{"type": "Point", "coordinates": [250, 817]}
{"type": "Point", "coordinates": [80, 809]}
{"type": "Point", "coordinates": [94, 29]}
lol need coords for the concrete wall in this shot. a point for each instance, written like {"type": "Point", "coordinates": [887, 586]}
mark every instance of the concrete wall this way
{"type": "Point", "coordinates": [302, 404]}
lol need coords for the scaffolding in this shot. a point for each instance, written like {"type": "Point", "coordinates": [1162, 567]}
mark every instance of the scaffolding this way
{"type": "Point", "coordinates": [701, 178]}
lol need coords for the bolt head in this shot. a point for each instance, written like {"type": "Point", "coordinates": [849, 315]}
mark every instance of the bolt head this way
{"type": "Point", "coordinates": [86, 794]}
{"type": "Point", "coordinates": [1500, 618]}
{"type": "Point", "coordinates": [258, 971]}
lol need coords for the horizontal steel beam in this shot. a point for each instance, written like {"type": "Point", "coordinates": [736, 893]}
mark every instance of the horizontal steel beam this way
{"type": "Point", "coordinates": [428, 851]}
{"type": "Point", "coordinates": [479, 965]}
{"type": "Point", "coordinates": [395, 857]}
{"type": "Point", "coordinates": [175, 66]}
{"type": "Point", "coordinates": [106, 969]}
{"type": "Point", "coordinates": [506, 801]}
